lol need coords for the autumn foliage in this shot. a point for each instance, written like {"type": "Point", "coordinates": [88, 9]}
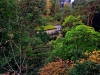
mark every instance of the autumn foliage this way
{"type": "Point", "coordinates": [59, 67]}
{"type": "Point", "coordinates": [93, 57]}
{"type": "Point", "coordinates": [87, 66]}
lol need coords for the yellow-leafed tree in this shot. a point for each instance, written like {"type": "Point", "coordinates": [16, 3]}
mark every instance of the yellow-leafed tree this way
{"type": "Point", "coordinates": [48, 6]}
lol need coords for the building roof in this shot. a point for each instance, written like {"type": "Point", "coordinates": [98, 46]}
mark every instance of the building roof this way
{"type": "Point", "coordinates": [58, 26]}
{"type": "Point", "coordinates": [47, 27]}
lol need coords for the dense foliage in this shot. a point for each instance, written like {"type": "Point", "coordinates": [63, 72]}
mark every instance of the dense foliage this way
{"type": "Point", "coordinates": [76, 41]}
{"type": "Point", "coordinates": [89, 65]}
{"type": "Point", "coordinates": [86, 68]}
{"type": "Point", "coordinates": [57, 68]}
{"type": "Point", "coordinates": [27, 49]}
{"type": "Point", "coordinates": [20, 49]}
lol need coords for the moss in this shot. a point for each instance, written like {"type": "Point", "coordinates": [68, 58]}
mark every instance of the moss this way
{"type": "Point", "coordinates": [47, 27]}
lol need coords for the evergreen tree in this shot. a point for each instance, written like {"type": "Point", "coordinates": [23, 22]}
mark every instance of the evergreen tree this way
{"type": "Point", "coordinates": [21, 51]}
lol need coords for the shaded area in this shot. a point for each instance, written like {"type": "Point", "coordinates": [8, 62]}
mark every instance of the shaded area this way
{"type": "Point", "coordinates": [96, 22]}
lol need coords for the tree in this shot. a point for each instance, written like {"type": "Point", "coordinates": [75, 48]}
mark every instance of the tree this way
{"type": "Point", "coordinates": [86, 66]}
{"type": "Point", "coordinates": [18, 43]}
{"type": "Point", "coordinates": [48, 7]}
{"type": "Point", "coordinates": [57, 7]}
{"type": "Point", "coordinates": [32, 10]}
{"type": "Point", "coordinates": [69, 22]}
{"type": "Point", "coordinates": [9, 34]}
{"type": "Point", "coordinates": [78, 40]}
{"type": "Point", "coordinates": [86, 9]}
{"type": "Point", "coordinates": [66, 11]}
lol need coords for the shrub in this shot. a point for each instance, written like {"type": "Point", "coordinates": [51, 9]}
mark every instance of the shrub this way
{"type": "Point", "coordinates": [85, 68]}
{"type": "Point", "coordinates": [92, 57]}
{"type": "Point", "coordinates": [88, 66]}
{"type": "Point", "coordinates": [56, 68]}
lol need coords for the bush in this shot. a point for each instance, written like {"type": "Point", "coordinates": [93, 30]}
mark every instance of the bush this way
{"type": "Point", "coordinates": [56, 68]}
{"type": "Point", "coordinates": [92, 57]}
{"type": "Point", "coordinates": [85, 68]}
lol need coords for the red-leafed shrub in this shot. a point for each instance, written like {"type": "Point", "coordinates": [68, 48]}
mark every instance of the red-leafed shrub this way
{"type": "Point", "coordinates": [59, 67]}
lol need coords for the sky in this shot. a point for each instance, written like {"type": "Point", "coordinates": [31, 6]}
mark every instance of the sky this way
{"type": "Point", "coordinates": [72, 1]}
